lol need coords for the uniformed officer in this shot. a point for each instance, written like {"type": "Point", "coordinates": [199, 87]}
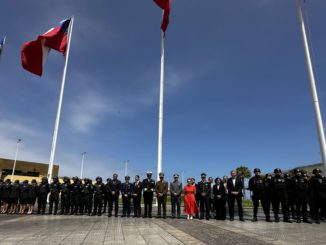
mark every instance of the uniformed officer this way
{"type": "Point", "coordinates": [269, 193]}
{"type": "Point", "coordinates": [136, 190]}
{"type": "Point", "coordinates": [65, 196]}
{"type": "Point", "coordinates": [5, 195]}
{"type": "Point", "coordinates": [86, 196]}
{"type": "Point", "coordinates": [14, 196]}
{"type": "Point", "coordinates": [42, 194]}
{"type": "Point", "coordinates": [98, 196]}
{"type": "Point", "coordinates": [161, 189]}
{"type": "Point", "coordinates": [126, 197]}
{"type": "Point", "coordinates": [291, 198]}
{"type": "Point", "coordinates": [75, 196]}
{"type": "Point", "coordinates": [148, 187]}
{"type": "Point", "coordinates": [300, 190]}
{"type": "Point", "coordinates": [318, 186]}
{"type": "Point", "coordinates": [32, 193]}
{"type": "Point", "coordinates": [257, 185]}
{"type": "Point", "coordinates": [176, 191]}
{"type": "Point", "coordinates": [107, 195]}
{"type": "Point", "coordinates": [24, 190]}
{"type": "Point", "coordinates": [204, 190]}
{"type": "Point", "coordinates": [54, 195]}
{"type": "Point", "coordinates": [279, 188]}
{"type": "Point", "coordinates": [114, 189]}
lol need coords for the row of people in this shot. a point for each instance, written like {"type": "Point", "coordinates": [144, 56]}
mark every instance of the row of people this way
{"type": "Point", "coordinates": [201, 199]}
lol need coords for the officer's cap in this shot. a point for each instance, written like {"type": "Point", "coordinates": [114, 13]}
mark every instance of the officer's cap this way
{"type": "Point", "coordinates": [161, 174]}
{"type": "Point", "coordinates": [277, 170]}
{"type": "Point", "coordinates": [316, 170]}
{"type": "Point", "coordinates": [127, 177]}
{"type": "Point", "coordinates": [34, 181]}
{"type": "Point", "coordinates": [176, 176]}
{"type": "Point", "coordinates": [149, 172]}
{"type": "Point", "coordinates": [108, 179]}
{"type": "Point", "coordinates": [257, 170]}
{"type": "Point", "coordinates": [98, 178]}
{"type": "Point", "coordinates": [137, 176]}
{"type": "Point", "coordinates": [55, 177]}
{"type": "Point", "coordinates": [25, 181]}
{"type": "Point", "coordinates": [297, 170]}
{"type": "Point", "coordinates": [203, 175]}
{"type": "Point", "coordinates": [44, 178]}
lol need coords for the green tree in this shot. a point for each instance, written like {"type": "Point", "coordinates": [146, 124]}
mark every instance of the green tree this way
{"type": "Point", "coordinates": [244, 173]}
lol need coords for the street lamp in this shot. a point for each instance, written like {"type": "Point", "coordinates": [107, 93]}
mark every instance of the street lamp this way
{"type": "Point", "coordinates": [126, 167]}
{"type": "Point", "coordinates": [82, 164]}
{"type": "Point", "coordinates": [14, 167]}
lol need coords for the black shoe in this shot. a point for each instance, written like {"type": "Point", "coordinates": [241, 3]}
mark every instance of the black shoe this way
{"type": "Point", "coordinates": [277, 219]}
{"type": "Point", "coordinates": [150, 216]}
{"type": "Point", "coordinates": [268, 219]}
{"type": "Point", "coordinates": [158, 216]}
{"type": "Point", "coordinates": [231, 219]}
{"type": "Point", "coordinates": [317, 221]}
{"type": "Point", "coordinates": [116, 215]}
{"type": "Point", "coordinates": [99, 214]}
{"type": "Point", "coordinates": [298, 221]}
{"type": "Point", "coordinates": [178, 217]}
{"type": "Point", "coordinates": [254, 219]}
{"type": "Point", "coordinates": [123, 216]}
{"type": "Point", "coordinates": [241, 219]}
{"type": "Point", "coordinates": [207, 218]}
{"type": "Point", "coordinates": [287, 221]}
{"type": "Point", "coordinates": [307, 221]}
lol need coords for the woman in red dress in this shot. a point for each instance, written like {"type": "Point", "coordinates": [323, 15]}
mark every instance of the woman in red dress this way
{"type": "Point", "coordinates": [190, 201]}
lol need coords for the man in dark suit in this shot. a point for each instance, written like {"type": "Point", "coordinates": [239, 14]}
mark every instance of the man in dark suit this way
{"type": "Point", "coordinates": [204, 190]}
{"type": "Point", "coordinates": [235, 186]}
{"type": "Point", "coordinates": [114, 189]}
{"type": "Point", "coordinates": [149, 188]}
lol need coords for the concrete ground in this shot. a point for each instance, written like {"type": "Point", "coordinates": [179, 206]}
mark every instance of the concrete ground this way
{"type": "Point", "coordinates": [49, 229]}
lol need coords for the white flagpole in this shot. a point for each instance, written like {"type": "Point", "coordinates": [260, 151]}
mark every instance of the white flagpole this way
{"type": "Point", "coordinates": [160, 117]}
{"type": "Point", "coordinates": [16, 154]}
{"type": "Point", "coordinates": [57, 121]}
{"type": "Point", "coordinates": [82, 165]}
{"type": "Point", "coordinates": [318, 117]}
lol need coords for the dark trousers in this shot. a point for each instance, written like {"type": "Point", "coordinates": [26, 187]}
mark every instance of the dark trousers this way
{"type": "Point", "coordinates": [98, 203]}
{"type": "Point", "coordinates": [319, 207]}
{"type": "Point", "coordinates": [220, 209]}
{"type": "Point", "coordinates": [291, 205]}
{"type": "Point", "coordinates": [301, 207]}
{"type": "Point", "coordinates": [175, 202]}
{"type": "Point", "coordinates": [231, 202]}
{"type": "Point", "coordinates": [148, 202]}
{"type": "Point", "coordinates": [41, 203]}
{"type": "Point", "coordinates": [106, 202]}
{"type": "Point", "coordinates": [65, 203]}
{"type": "Point", "coordinates": [137, 207]}
{"type": "Point", "coordinates": [161, 204]}
{"type": "Point", "coordinates": [53, 199]}
{"type": "Point", "coordinates": [86, 204]}
{"type": "Point", "coordinates": [262, 199]}
{"type": "Point", "coordinates": [204, 206]}
{"type": "Point", "coordinates": [277, 199]}
{"type": "Point", "coordinates": [126, 206]}
{"type": "Point", "coordinates": [74, 203]}
{"type": "Point", "coordinates": [114, 200]}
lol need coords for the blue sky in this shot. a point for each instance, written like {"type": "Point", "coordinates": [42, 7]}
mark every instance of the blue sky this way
{"type": "Point", "coordinates": [236, 87]}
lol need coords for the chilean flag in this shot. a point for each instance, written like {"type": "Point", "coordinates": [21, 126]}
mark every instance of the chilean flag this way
{"type": "Point", "coordinates": [166, 6]}
{"type": "Point", "coordinates": [34, 53]}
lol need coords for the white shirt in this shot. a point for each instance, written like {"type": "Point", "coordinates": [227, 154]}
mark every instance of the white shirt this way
{"type": "Point", "coordinates": [233, 181]}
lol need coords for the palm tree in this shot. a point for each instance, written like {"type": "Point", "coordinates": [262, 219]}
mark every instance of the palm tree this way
{"type": "Point", "coordinates": [244, 173]}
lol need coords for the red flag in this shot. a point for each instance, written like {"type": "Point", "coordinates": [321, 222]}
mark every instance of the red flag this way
{"type": "Point", "coordinates": [34, 53]}
{"type": "Point", "coordinates": [166, 6]}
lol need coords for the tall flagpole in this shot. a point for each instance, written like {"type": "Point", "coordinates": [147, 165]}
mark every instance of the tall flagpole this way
{"type": "Point", "coordinates": [160, 117]}
{"type": "Point", "coordinates": [319, 122]}
{"type": "Point", "coordinates": [57, 121]}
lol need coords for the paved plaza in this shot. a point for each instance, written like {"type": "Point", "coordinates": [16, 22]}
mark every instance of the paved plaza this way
{"type": "Point", "coordinates": [48, 229]}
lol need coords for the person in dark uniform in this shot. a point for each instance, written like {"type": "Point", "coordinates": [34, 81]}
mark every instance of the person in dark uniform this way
{"type": "Point", "coordinates": [114, 189]}
{"type": "Point", "coordinates": [197, 196]}
{"type": "Point", "coordinates": [6, 188]}
{"type": "Point", "coordinates": [300, 189]}
{"type": "Point", "coordinates": [291, 197]}
{"type": "Point", "coordinates": [161, 189]}
{"type": "Point", "coordinates": [98, 196]}
{"type": "Point", "coordinates": [136, 190]}
{"type": "Point", "coordinates": [219, 193]}
{"type": "Point", "coordinates": [269, 193]}
{"type": "Point", "coordinates": [54, 195]}
{"type": "Point", "coordinates": [14, 196]}
{"type": "Point", "coordinates": [32, 193]}
{"type": "Point", "coordinates": [42, 194]}
{"type": "Point", "coordinates": [204, 190]}
{"type": "Point", "coordinates": [65, 188]}
{"type": "Point", "coordinates": [317, 185]}
{"type": "Point", "coordinates": [148, 187]}
{"type": "Point", "coordinates": [86, 197]}
{"type": "Point", "coordinates": [23, 198]}
{"type": "Point", "coordinates": [107, 195]}
{"type": "Point", "coordinates": [126, 197]}
{"type": "Point", "coordinates": [257, 185]}
{"type": "Point", "coordinates": [176, 190]}
{"type": "Point", "coordinates": [279, 188]}
{"type": "Point", "coordinates": [235, 186]}
{"type": "Point", "coordinates": [74, 196]}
